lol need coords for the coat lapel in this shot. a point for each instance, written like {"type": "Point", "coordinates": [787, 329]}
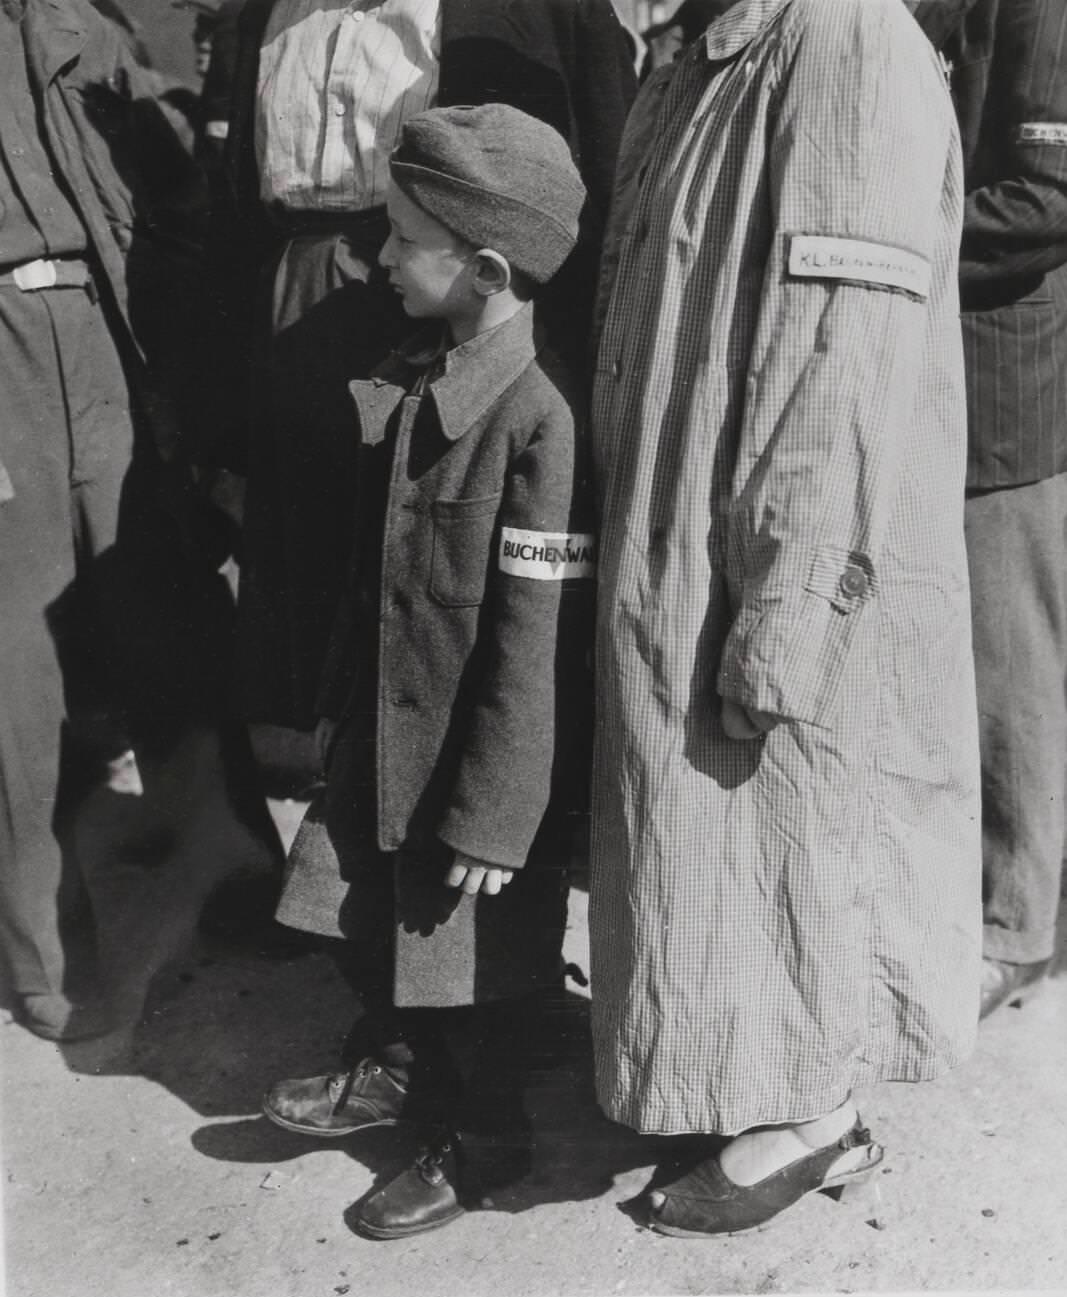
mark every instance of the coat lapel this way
{"type": "Point", "coordinates": [55, 38]}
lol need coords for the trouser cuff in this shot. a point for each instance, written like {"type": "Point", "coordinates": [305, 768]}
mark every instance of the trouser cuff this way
{"type": "Point", "coordinates": [1027, 947]}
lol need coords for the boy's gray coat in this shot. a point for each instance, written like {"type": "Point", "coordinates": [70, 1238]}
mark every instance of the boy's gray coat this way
{"type": "Point", "coordinates": [474, 706]}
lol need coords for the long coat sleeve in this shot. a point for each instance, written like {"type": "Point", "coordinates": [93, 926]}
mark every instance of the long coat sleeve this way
{"type": "Point", "coordinates": [835, 365]}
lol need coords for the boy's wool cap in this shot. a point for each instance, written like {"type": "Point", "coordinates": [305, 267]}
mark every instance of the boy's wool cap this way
{"type": "Point", "coordinates": [496, 177]}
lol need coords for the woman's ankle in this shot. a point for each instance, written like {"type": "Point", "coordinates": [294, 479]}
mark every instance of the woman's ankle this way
{"type": "Point", "coordinates": [820, 1131]}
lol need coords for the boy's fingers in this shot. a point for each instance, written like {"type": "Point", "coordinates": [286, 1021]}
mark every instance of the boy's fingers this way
{"type": "Point", "coordinates": [473, 882]}
{"type": "Point", "coordinates": [455, 876]}
{"type": "Point", "coordinates": [491, 886]}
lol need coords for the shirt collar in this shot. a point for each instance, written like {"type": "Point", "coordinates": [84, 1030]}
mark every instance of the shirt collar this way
{"type": "Point", "coordinates": [475, 373]}
{"type": "Point", "coordinates": [739, 26]}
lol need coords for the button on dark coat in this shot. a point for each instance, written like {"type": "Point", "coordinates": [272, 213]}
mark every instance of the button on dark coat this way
{"type": "Point", "coordinates": [471, 682]}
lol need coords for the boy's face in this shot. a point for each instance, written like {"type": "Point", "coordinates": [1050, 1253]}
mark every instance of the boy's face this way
{"type": "Point", "coordinates": [429, 266]}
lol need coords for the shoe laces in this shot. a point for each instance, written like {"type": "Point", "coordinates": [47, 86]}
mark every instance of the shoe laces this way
{"type": "Point", "coordinates": [341, 1084]}
{"type": "Point", "coordinates": [430, 1159]}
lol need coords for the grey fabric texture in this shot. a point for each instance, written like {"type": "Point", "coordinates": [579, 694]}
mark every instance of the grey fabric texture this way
{"type": "Point", "coordinates": [498, 178]}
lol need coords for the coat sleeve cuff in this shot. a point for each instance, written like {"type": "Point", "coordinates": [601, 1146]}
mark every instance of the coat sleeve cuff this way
{"type": "Point", "coordinates": [502, 855]}
{"type": "Point", "coordinates": [787, 656]}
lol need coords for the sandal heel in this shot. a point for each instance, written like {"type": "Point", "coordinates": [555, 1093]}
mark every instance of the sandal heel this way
{"type": "Point", "coordinates": [861, 1190]}
{"type": "Point", "coordinates": [857, 1183]}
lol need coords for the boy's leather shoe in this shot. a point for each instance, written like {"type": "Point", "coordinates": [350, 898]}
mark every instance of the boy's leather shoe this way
{"type": "Point", "coordinates": [1004, 983]}
{"type": "Point", "coordinates": [339, 1104]}
{"type": "Point", "coordinates": [425, 1196]}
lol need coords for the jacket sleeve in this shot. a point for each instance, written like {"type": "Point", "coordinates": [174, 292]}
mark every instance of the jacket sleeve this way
{"type": "Point", "coordinates": [505, 776]}
{"type": "Point", "coordinates": [862, 155]}
{"type": "Point", "coordinates": [603, 95]}
{"type": "Point", "coordinates": [1015, 222]}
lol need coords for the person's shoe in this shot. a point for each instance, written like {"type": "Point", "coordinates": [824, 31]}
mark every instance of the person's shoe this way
{"type": "Point", "coordinates": [706, 1203]}
{"type": "Point", "coordinates": [1004, 983]}
{"type": "Point", "coordinates": [339, 1104]}
{"type": "Point", "coordinates": [55, 1017]}
{"type": "Point", "coordinates": [425, 1196]}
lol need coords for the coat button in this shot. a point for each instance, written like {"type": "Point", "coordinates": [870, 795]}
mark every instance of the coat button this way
{"type": "Point", "coordinates": [404, 700]}
{"type": "Point", "coordinates": [854, 582]}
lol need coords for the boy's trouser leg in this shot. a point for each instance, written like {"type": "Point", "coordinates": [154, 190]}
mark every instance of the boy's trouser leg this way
{"type": "Point", "coordinates": [494, 1147]}
{"type": "Point", "coordinates": [414, 1045]}
{"type": "Point", "coordinates": [1016, 546]}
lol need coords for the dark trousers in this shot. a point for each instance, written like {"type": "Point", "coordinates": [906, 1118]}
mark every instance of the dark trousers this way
{"type": "Point", "coordinates": [327, 316]}
{"type": "Point", "coordinates": [469, 1066]}
{"type": "Point", "coordinates": [1017, 550]}
{"type": "Point", "coordinates": [111, 636]}
{"type": "Point", "coordinates": [66, 439]}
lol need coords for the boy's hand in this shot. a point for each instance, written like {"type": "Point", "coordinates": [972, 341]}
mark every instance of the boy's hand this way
{"type": "Point", "coordinates": [476, 876]}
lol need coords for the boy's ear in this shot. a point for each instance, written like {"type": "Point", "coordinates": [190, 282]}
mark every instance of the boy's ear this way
{"type": "Point", "coordinates": [492, 273]}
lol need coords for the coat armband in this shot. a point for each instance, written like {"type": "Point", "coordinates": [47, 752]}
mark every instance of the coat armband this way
{"type": "Point", "coordinates": [547, 555]}
{"type": "Point", "coordinates": [1043, 133]}
{"type": "Point", "coordinates": [858, 261]}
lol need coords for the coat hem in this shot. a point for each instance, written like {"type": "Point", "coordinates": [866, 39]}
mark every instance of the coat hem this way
{"type": "Point", "coordinates": [799, 1111]}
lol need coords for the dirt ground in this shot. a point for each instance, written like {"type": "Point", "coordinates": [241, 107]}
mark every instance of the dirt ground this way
{"type": "Point", "coordinates": [139, 1166]}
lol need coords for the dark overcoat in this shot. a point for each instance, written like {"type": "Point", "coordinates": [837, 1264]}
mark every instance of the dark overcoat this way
{"type": "Point", "coordinates": [563, 61]}
{"type": "Point", "coordinates": [458, 673]}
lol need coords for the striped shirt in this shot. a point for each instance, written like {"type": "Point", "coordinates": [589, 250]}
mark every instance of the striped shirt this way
{"type": "Point", "coordinates": [336, 83]}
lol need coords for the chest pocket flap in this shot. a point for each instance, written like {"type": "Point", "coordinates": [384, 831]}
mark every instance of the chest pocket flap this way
{"type": "Point", "coordinates": [462, 550]}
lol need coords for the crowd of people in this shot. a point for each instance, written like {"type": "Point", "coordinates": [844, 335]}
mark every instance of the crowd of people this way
{"type": "Point", "coordinates": [690, 460]}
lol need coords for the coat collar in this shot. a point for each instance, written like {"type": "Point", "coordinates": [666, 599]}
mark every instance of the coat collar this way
{"type": "Point", "coordinates": [475, 373]}
{"type": "Point", "coordinates": [55, 36]}
{"type": "Point", "coordinates": [739, 26]}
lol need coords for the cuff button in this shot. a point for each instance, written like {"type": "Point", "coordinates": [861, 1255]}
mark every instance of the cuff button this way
{"type": "Point", "coordinates": [854, 582]}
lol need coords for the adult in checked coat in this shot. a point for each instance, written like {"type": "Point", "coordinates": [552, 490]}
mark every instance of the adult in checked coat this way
{"type": "Point", "coordinates": [785, 885]}
{"type": "Point", "coordinates": [1009, 83]}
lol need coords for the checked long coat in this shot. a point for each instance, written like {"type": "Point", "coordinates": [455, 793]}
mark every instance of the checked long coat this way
{"type": "Point", "coordinates": [779, 433]}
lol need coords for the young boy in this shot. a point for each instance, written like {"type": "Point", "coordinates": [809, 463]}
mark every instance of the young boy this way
{"type": "Point", "coordinates": [457, 668]}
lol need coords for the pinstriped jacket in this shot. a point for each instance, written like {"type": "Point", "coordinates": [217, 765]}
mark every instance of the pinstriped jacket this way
{"type": "Point", "coordinates": [1008, 61]}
